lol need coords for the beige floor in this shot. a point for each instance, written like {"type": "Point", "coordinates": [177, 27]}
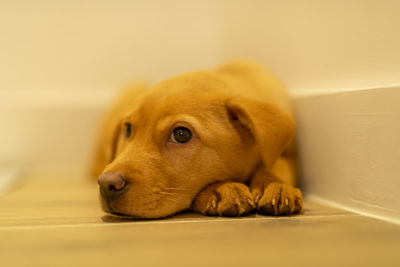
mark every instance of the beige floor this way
{"type": "Point", "coordinates": [54, 220]}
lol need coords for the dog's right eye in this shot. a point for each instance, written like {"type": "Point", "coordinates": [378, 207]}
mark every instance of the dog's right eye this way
{"type": "Point", "coordinates": [128, 130]}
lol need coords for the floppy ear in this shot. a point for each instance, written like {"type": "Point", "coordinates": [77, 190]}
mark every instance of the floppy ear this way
{"type": "Point", "coordinates": [272, 128]}
{"type": "Point", "coordinates": [106, 147]}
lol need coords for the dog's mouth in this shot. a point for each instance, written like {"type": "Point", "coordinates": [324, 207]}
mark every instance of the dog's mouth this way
{"type": "Point", "coordinates": [109, 209]}
{"type": "Point", "coordinates": [119, 214]}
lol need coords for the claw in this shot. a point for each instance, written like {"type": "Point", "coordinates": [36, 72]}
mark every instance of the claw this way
{"type": "Point", "coordinates": [256, 197]}
{"type": "Point", "coordinates": [250, 201]}
{"type": "Point", "coordinates": [213, 203]}
{"type": "Point", "coordinates": [286, 202]}
{"type": "Point", "coordinates": [273, 202]}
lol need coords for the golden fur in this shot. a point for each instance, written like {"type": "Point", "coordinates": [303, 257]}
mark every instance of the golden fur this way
{"type": "Point", "coordinates": [240, 158]}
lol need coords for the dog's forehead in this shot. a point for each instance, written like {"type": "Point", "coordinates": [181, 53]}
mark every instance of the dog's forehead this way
{"type": "Point", "coordinates": [189, 93]}
{"type": "Point", "coordinates": [199, 94]}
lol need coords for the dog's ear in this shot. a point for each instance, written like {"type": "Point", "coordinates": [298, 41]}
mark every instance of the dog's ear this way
{"type": "Point", "coordinates": [271, 127]}
{"type": "Point", "coordinates": [106, 147]}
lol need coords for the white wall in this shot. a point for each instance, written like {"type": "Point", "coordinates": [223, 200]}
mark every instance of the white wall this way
{"type": "Point", "coordinates": [349, 149]}
{"type": "Point", "coordinates": [312, 45]}
{"type": "Point", "coordinates": [91, 45]}
{"type": "Point", "coordinates": [318, 46]}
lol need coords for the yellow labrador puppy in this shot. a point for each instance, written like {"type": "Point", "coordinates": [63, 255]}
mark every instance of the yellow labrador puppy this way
{"type": "Point", "coordinates": [217, 141]}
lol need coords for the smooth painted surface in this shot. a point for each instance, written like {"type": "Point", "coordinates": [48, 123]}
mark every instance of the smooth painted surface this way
{"type": "Point", "coordinates": [100, 45]}
{"type": "Point", "coordinates": [318, 46]}
{"type": "Point", "coordinates": [53, 219]}
{"type": "Point", "coordinates": [349, 149]}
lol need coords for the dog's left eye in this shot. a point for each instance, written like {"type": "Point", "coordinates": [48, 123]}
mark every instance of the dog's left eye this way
{"type": "Point", "coordinates": [180, 135]}
{"type": "Point", "coordinates": [128, 130]}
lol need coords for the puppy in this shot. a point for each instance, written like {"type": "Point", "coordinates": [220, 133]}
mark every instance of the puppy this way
{"type": "Point", "coordinates": [216, 141]}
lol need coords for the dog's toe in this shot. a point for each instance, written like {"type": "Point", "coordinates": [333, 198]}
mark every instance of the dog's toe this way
{"type": "Point", "coordinates": [280, 199]}
{"type": "Point", "coordinates": [224, 199]}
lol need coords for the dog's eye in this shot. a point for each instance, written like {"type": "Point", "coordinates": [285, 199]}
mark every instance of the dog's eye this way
{"type": "Point", "coordinates": [181, 135]}
{"type": "Point", "coordinates": [128, 130]}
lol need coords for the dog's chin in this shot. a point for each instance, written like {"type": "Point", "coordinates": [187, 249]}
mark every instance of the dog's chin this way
{"type": "Point", "coordinates": [121, 215]}
{"type": "Point", "coordinates": [107, 207]}
{"type": "Point", "coordinates": [143, 213]}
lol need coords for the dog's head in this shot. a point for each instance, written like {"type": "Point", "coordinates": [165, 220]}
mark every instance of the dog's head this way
{"type": "Point", "coordinates": [183, 134]}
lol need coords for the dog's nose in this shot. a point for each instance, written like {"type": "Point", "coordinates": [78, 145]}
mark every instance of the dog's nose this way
{"type": "Point", "coordinates": [111, 184]}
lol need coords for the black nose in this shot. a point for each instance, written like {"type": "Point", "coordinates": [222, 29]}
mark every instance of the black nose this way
{"type": "Point", "coordinates": [111, 185]}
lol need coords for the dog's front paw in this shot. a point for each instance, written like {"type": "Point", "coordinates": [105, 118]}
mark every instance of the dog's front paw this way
{"type": "Point", "coordinates": [277, 199]}
{"type": "Point", "coordinates": [224, 199]}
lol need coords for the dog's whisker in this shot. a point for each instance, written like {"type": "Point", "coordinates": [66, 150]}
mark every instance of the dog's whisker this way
{"type": "Point", "coordinates": [177, 188]}
{"type": "Point", "coordinates": [174, 200]}
{"type": "Point", "coordinates": [186, 194]}
{"type": "Point", "coordinates": [167, 193]}
{"type": "Point", "coordinates": [175, 194]}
